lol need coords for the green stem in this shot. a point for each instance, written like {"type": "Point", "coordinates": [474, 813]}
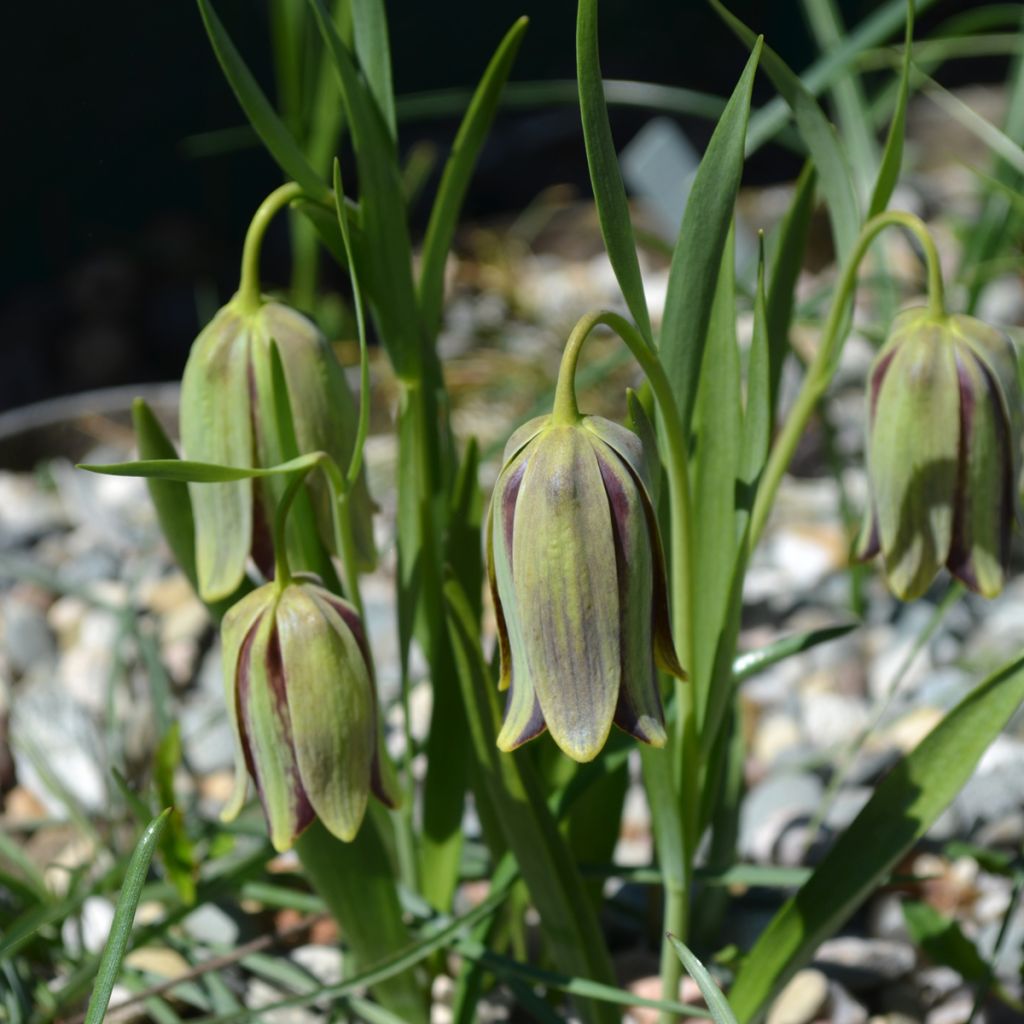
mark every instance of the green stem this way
{"type": "Point", "coordinates": [819, 373]}
{"type": "Point", "coordinates": [249, 286]}
{"type": "Point", "coordinates": [684, 767]}
{"type": "Point", "coordinates": [282, 570]}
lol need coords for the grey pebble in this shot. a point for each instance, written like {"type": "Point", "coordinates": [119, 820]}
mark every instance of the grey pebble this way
{"type": "Point", "coordinates": [772, 806]}
{"type": "Point", "coordinates": [325, 963]}
{"type": "Point", "coordinates": [212, 926]}
{"type": "Point", "coordinates": [863, 964]}
{"type": "Point", "coordinates": [802, 1000]}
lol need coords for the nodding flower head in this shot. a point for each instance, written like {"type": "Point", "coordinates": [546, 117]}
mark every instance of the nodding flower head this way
{"type": "Point", "coordinates": [944, 434]}
{"type": "Point", "coordinates": [301, 695]}
{"type": "Point", "coordinates": [578, 580]}
{"type": "Point", "coordinates": [230, 414]}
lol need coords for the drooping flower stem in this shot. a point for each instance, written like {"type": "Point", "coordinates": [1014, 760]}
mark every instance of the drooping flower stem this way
{"type": "Point", "coordinates": [672, 781]}
{"type": "Point", "coordinates": [823, 366]}
{"type": "Point", "coordinates": [249, 287]}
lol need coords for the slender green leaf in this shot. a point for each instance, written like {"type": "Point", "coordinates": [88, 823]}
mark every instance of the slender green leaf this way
{"type": "Point", "coordinates": [605, 177]}
{"type": "Point", "coordinates": [25, 927]}
{"type": "Point", "coordinates": [577, 986]}
{"type": "Point", "coordinates": [124, 916]}
{"type": "Point", "coordinates": [753, 662]}
{"type": "Point", "coordinates": [280, 143]}
{"type": "Point", "coordinates": [875, 28]}
{"type": "Point", "coordinates": [370, 38]}
{"type": "Point", "coordinates": [568, 921]}
{"type": "Point", "coordinates": [901, 810]}
{"type": "Point", "coordinates": [697, 258]}
{"type": "Point", "coordinates": [944, 942]}
{"type": "Point", "coordinates": [757, 411]}
{"type": "Point", "coordinates": [403, 959]}
{"type": "Point", "coordinates": [719, 1008]}
{"type": "Point", "coordinates": [717, 426]}
{"type": "Point", "coordinates": [892, 155]}
{"type": "Point", "coordinates": [851, 104]}
{"type": "Point", "coordinates": [355, 881]}
{"type": "Point", "coordinates": [457, 172]}
{"type": "Point", "coordinates": [825, 149]}
{"type": "Point", "coordinates": [187, 471]}
{"type": "Point", "coordinates": [384, 251]}
{"type": "Point", "coordinates": [791, 242]}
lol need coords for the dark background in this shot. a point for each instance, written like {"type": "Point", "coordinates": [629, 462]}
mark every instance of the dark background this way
{"type": "Point", "coordinates": [111, 230]}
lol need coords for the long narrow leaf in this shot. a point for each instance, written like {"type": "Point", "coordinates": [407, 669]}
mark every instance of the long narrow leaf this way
{"type": "Point", "coordinates": [901, 810]}
{"type": "Point", "coordinates": [271, 129]}
{"type": "Point", "coordinates": [719, 1008]}
{"type": "Point", "coordinates": [892, 155]}
{"type": "Point", "coordinates": [188, 471]}
{"type": "Point", "coordinates": [370, 25]}
{"type": "Point", "coordinates": [124, 916]}
{"type": "Point", "coordinates": [698, 252]}
{"type": "Point", "coordinates": [825, 149]}
{"type": "Point", "coordinates": [605, 177]}
{"type": "Point", "coordinates": [459, 168]}
{"type": "Point", "coordinates": [753, 662]}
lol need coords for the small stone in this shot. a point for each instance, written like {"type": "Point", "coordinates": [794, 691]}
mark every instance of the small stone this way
{"type": "Point", "coordinates": [843, 1008]}
{"type": "Point", "coordinates": [833, 719]}
{"type": "Point", "coordinates": [886, 919]}
{"type": "Point", "coordinates": [907, 732]}
{"type": "Point", "coordinates": [27, 638]}
{"type": "Point", "coordinates": [96, 916]}
{"type": "Point", "coordinates": [802, 1000]}
{"type": "Point", "coordinates": [863, 964]}
{"type": "Point", "coordinates": [776, 734]}
{"type": "Point", "coordinates": [259, 995]}
{"type": "Point", "coordinates": [158, 960]}
{"type": "Point", "coordinates": [848, 803]}
{"type": "Point", "coordinates": [325, 963]}
{"type": "Point", "coordinates": [211, 925]}
{"type": "Point", "coordinates": [772, 806]}
{"type": "Point", "coordinates": [954, 1010]}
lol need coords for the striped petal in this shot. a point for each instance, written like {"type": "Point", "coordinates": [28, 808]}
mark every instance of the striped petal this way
{"type": "Point", "coordinates": [331, 708]}
{"type": "Point", "coordinates": [216, 426]}
{"type": "Point", "coordinates": [913, 459]}
{"type": "Point", "coordinates": [638, 711]}
{"type": "Point", "coordinates": [564, 568]}
{"type": "Point", "coordinates": [984, 508]}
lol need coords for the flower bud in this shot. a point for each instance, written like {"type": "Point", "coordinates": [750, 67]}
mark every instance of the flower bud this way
{"type": "Point", "coordinates": [302, 700]}
{"type": "Point", "coordinates": [943, 449]}
{"type": "Point", "coordinates": [229, 416]}
{"type": "Point", "coordinates": [578, 580]}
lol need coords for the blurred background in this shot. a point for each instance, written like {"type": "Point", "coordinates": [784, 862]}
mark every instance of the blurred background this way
{"type": "Point", "coordinates": [130, 177]}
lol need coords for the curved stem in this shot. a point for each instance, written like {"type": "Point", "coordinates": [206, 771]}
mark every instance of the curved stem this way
{"type": "Point", "coordinates": [344, 538]}
{"type": "Point", "coordinates": [249, 285]}
{"type": "Point", "coordinates": [282, 570]}
{"type": "Point", "coordinates": [680, 782]}
{"type": "Point", "coordinates": [822, 367]}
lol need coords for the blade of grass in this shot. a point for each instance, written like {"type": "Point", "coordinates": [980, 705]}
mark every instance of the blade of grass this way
{"type": "Point", "coordinates": [901, 810]}
{"type": "Point", "coordinates": [605, 176]}
{"type": "Point", "coordinates": [280, 142]}
{"type": "Point", "coordinates": [851, 104]}
{"type": "Point", "coordinates": [697, 257]}
{"type": "Point", "coordinates": [824, 147]}
{"type": "Point", "coordinates": [124, 916]}
{"type": "Point", "coordinates": [370, 37]}
{"type": "Point", "coordinates": [892, 155]}
{"type": "Point", "coordinates": [721, 1012]}
{"type": "Point", "coordinates": [753, 662]}
{"type": "Point", "coordinates": [458, 169]}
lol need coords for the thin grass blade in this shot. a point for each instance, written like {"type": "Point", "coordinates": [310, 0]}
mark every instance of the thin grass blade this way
{"type": "Point", "coordinates": [458, 169]}
{"type": "Point", "coordinates": [901, 810]}
{"type": "Point", "coordinates": [698, 253]}
{"type": "Point", "coordinates": [605, 176]}
{"type": "Point", "coordinates": [718, 1006]}
{"type": "Point", "coordinates": [370, 36]}
{"type": "Point", "coordinates": [753, 662]}
{"type": "Point", "coordinates": [892, 155]}
{"type": "Point", "coordinates": [829, 158]}
{"type": "Point", "coordinates": [124, 916]}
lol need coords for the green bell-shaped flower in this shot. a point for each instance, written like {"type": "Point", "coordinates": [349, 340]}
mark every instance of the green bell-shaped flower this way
{"type": "Point", "coordinates": [578, 580]}
{"type": "Point", "coordinates": [227, 405]}
{"type": "Point", "coordinates": [943, 451]}
{"type": "Point", "coordinates": [302, 699]}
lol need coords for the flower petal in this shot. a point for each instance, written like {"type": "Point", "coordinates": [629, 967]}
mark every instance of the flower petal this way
{"type": "Point", "coordinates": [564, 572]}
{"type": "Point", "coordinates": [913, 458]}
{"type": "Point", "coordinates": [638, 710]}
{"type": "Point", "coordinates": [216, 426]}
{"type": "Point", "coordinates": [981, 529]}
{"type": "Point", "coordinates": [266, 725]}
{"type": "Point", "coordinates": [330, 701]}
